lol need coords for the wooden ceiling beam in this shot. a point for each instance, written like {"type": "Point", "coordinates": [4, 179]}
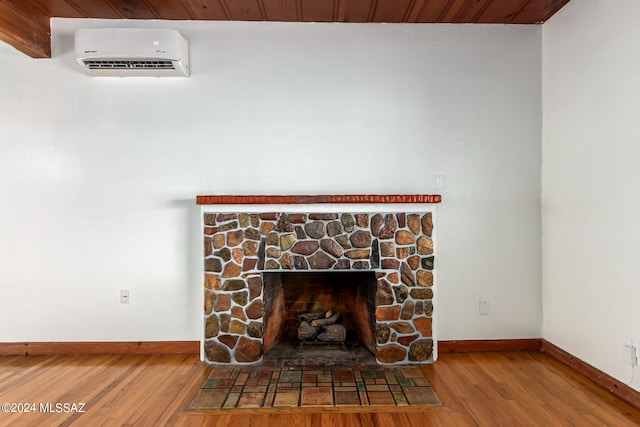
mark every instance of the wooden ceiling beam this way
{"type": "Point", "coordinates": [26, 30]}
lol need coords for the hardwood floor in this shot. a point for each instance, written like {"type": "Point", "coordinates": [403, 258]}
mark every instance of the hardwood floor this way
{"type": "Point", "coordinates": [477, 389]}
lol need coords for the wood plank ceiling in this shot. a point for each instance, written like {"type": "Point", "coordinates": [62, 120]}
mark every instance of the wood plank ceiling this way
{"type": "Point", "coordinates": [24, 24]}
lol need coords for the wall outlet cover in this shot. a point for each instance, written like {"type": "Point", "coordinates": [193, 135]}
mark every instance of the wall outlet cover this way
{"type": "Point", "coordinates": [125, 296]}
{"type": "Point", "coordinates": [484, 307]}
{"type": "Point", "coordinates": [629, 354]}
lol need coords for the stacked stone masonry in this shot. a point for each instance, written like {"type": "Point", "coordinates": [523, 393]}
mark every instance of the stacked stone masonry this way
{"type": "Point", "coordinates": [238, 247]}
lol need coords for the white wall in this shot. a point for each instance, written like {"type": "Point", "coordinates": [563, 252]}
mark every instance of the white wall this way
{"type": "Point", "coordinates": [590, 202]}
{"type": "Point", "coordinates": [99, 175]}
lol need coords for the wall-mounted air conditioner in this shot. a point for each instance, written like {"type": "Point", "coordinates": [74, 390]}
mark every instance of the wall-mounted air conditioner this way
{"type": "Point", "coordinates": [132, 52]}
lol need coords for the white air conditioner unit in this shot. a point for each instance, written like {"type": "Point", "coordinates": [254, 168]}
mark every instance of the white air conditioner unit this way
{"type": "Point", "coordinates": [132, 52]}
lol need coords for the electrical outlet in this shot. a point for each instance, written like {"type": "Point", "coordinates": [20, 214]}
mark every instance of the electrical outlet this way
{"type": "Point", "coordinates": [484, 307]}
{"type": "Point", "coordinates": [631, 350]}
{"type": "Point", "coordinates": [629, 355]}
{"type": "Point", "coordinates": [125, 296]}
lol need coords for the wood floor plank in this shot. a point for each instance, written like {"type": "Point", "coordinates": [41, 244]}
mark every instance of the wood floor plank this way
{"type": "Point", "coordinates": [496, 388]}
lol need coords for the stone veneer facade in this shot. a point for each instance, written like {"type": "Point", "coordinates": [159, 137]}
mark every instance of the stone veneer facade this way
{"type": "Point", "coordinates": [397, 246]}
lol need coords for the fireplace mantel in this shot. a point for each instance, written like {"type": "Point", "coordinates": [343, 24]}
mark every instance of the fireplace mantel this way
{"type": "Point", "coordinates": [326, 198]}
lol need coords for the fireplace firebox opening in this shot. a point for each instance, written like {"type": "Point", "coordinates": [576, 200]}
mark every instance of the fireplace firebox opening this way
{"type": "Point", "coordinates": [344, 301]}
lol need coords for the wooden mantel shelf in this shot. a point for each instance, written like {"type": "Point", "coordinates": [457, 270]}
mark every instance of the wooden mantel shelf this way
{"type": "Point", "coordinates": [327, 198]}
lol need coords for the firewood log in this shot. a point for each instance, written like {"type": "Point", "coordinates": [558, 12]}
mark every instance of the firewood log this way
{"type": "Point", "coordinates": [333, 333]}
{"type": "Point", "coordinates": [308, 317]}
{"type": "Point", "coordinates": [306, 332]}
{"type": "Point", "coordinates": [326, 321]}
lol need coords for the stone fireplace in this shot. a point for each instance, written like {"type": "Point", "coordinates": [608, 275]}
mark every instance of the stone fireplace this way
{"type": "Point", "coordinates": [269, 261]}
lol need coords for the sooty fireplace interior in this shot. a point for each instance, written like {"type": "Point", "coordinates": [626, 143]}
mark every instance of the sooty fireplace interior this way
{"type": "Point", "coordinates": [274, 277]}
{"type": "Point", "coordinates": [319, 307]}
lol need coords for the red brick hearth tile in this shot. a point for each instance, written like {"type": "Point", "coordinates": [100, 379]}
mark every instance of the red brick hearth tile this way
{"type": "Point", "coordinates": [378, 398]}
{"type": "Point", "coordinates": [347, 398]}
{"type": "Point", "coordinates": [309, 378]}
{"type": "Point", "coordinates": [221, 373]}
{"type": "Point", "coordinates": [286, 399]}
{"type": "Point", "coordinates": [421, 396]}
{"type": "Point", "coordinates": [319, 396]}
{"type": "Point", "coordinates": [343, 375]}
{"type": "Point", "coordinates": [251, 400]}
{"type": "Point", "coordinates": [208, 398]}
{"type": "Point", "coordinates": [411, 372]}
{"type": "Point", "coordinates": [282, 386]}
{"type": "Point", "coordinates": [377, 387]}
{"type": "Point", "coordinates": [400, 398]}
{"type": "Point", "coordinates": [363, 398]}
{"type": "Point", "coordinates": [324, 378]}
{"type": "Point", "coordinates": [232, 400]}
{"type": "Point", "coordinates": [268, 400]}
{"type": "Point", "coordinates": [423, 382]}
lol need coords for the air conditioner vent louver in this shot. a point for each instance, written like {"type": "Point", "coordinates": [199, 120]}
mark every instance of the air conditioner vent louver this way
{"type": "Point", "coordinates": [132, 52]}
{"type": "Point", "coordinates": [123, 65]}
